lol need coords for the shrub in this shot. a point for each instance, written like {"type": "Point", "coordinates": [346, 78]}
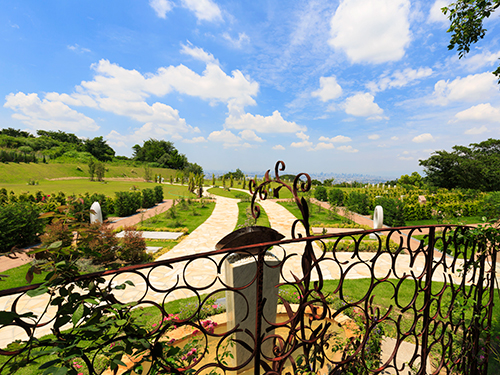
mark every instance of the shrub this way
{"type": "Point", "coordinates": [19, 225]}
{"type": "Point", "coordinates": [358, 202]}
{"type": "Point", "coordinates": [103, 244]}
{"type": "Point", "coordinates": [57, 231]}
{"type": "Point", "coordinates": [393, 211]}
{"type": "Point", "coordinates": [491, 206]}
{"type": "Point", "coordinates": [133, 246]}
{"type": "Point", "coordinates": [158, 194]}
{"type": "Point", "coordinates": [336, 197]}
{"type": "Point", "coordinates": [321, 194]}
{"type": "Point", "coordinates": [127, 203]}
{"type": "Point", "coordinates": [148, 198]}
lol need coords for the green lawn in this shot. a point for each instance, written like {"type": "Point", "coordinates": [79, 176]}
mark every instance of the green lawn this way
{"type": "Point", "coordinates": [17, 277]}
{"type": "Point", "coordinates": [245, 217]}
{"type": "Point", "coordinates": [187, 213]}
{"type": "Point", "coordinates": [319, 217]}
{"type": "Point", "coordinates": [235, 194]}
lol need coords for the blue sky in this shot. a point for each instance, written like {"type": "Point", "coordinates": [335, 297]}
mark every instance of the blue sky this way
{"type": "Point", "coordinates": [356, 86]}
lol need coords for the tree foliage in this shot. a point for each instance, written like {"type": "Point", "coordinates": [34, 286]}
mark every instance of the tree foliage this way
{"type": "Point", "coordinates": [162, 153]}
{"type": "Point", "coordinates": [99, 149]}
{"type": "Point", "coordinates": [466, 28]}
{"type": "Point", "coordinates": [473, 167]}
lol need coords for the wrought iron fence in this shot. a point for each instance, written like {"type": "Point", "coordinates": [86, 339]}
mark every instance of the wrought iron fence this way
{"type": "Point", "coordinates": [413, 311]}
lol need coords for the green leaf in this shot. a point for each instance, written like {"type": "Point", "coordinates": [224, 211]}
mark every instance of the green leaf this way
{"type": "Point", "coordinates": [129, 283]}
{"type": "Point", "coordinates": [55, 245]}
{"type": "Point", "coordinates": [118, 362]}
{"type": "Point", "coordinates": [56, 371]}
{"type": "Point", "coordinates": [77, 315]}
{"type": "Point", "coordinates": [49, 363]}
{"type": "Point", "coordinates": [38, 291]}
{"type": "Point", "coordinates": [29, 276]}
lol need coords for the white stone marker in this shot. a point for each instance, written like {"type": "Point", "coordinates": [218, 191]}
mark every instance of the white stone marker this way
{"type": "Point", "coordinates": [378, 220]}
{"type": "Point", "coordinates": [96, 215]}
{"type": "Point", "coordinates": [240, 269]}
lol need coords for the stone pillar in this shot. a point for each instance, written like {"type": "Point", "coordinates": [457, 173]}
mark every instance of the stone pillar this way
{"type": "Point", "coordinates": [95, 213]}
{"type": "Point", "coordinates": [240, 269]}
{"type": "Point", "coordinates": [378, 220]}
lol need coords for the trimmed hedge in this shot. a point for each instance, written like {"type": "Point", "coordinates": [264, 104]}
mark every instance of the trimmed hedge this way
{"type": "Point", "coordinates": [148, 198]}
{"type": "Point", "coordinates": [127, 202]}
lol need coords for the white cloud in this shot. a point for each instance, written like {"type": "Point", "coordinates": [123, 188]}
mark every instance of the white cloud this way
{"type": "Point", "coordinates": [476, 130]}
{"type": "Point", "coordinates": [47, 114]}
{"type": "Point", "coordinates": [479, 113]}
{"type": "Point", "coordinates": [278, 147]}
{"type": "Point", "coordinates": [373, 31]}
{"type": "Point", "coordinates": [425, 137]}
{"type": "Point", "coordinates": [329, 89]}
{"type": "Point", "coordinates": [347, 149]}
{"type": "Point", "coordinates": [242, 40]}
{"type": "Point", "coordinates": [324, 146]}
{"type": "Point", "coordinates": [250, 135]}
{"type": "Point", "coordinates": [436, 14]}
{"type": "Point", "coordinates": [475, 87]}
{"type": "Point", "coordinates": [399, 78]}
{"type": "Point", "coordinates": [161, 7]}
{"type": "Point", "coordinates": [395, 138]}
{"type": "Point", "coordinates": [78, 49]}
{"type": "Point", "coordinates": [302, 136]}
{"type": "Point", "coordinates": [262, 124]}
{"type": "Point", "coordinates": [362, 105]}
{"type": "Point", "coordinates": [195, 140]}
{"type": "Point", "coordinates": [479, 60]}
{"type": "Point", "coordinates": [204, 10]}
{"type": "Point", "coordinates": [302, 144]}
{"type": "Point", "coordinates": [336, 139]}
{"type": "Point", "coordinates": [406, 158]}
{"type": "Point", "coordinates": [224, 136]}
{"type": "Point", "coordinates": [199, 54]}
{"type": "Point", "coordinates": [373, 136]}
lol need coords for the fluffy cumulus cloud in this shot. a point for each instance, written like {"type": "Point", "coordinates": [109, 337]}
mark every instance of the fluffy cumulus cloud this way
{"type": "Point", "coordinates": [204, 10]}
{"type": "Point", "coordinates": [423, 138]}
{"type": "Point", "coordinates": [305, 141]}
{"type": "Point", "coordinates": [161, 7]}
{"type": "Point", "coordinates": [278, 147]}
{"type": "Point", "coordinates": [476, 87]}
{"type": "Point", "coordinates": [195, 140]}
{"type": "Point", "coordinates": [47, 114]}
{"type": "Point", "coordinates": [436, 14]}
{"type": "Point", "coordinates": [372, 31]}
{"type": "Point", "coordinates": [336, 139]}
{"type": "Point", "coordinates": [199, 54]}
{"type": "Point", "coordinates": [363, 104]}
{"type": "Point", "coordinates": [480, 60]}
{"type": "Point", "coordinates": [324, 146]}
{"type": "Point", "coordinates": [479, 113]}
{"type": "Point", "coordinates": [249, 135]}
{"type": "Point", "coordinates": [399, 78]}
{"type": "Point", "coordinates": [262, 124]}
{"type": "Point", "coordinates": [373, 136]}
{"type": "Point", "coordinates": [329, 89]}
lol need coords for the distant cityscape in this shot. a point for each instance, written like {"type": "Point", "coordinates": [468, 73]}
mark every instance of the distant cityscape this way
{"type": "Point", "coordinates": [338, 177]}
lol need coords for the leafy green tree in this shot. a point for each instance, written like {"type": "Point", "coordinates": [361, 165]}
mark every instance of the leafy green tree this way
{"type": "Point", "coordinates": [99, 149]}
{"type": "Point", "coordinates": [321, 194]}
{"type": "Point", "coordinates": [473, 167]}
{"type": "Point", "coordinates": [91, 168]}
{"type": "Point", "coordinates": [16, 133]}
{"type": "Point", "coordinates": [100, 170]}
{"type": "Point", "coordinates": [61, 136]}
{"type": "Point", "coordinates": [414, 180]}
{"type": "Point", "coordinates": [466, 28]}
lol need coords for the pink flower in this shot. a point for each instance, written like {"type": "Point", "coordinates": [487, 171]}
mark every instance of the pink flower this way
{"type": "Point", "coordinates": [154, 324]}
{"type": "Point", "coordinates": [215, 306]}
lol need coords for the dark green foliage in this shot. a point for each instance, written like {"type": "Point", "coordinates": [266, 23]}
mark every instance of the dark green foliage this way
{"type": "Point", "coordinates": [238, 175]}
{"type": "Point", "coordinates": [61, 136]}
{"type": "Point", "coordinates": [19, 225]}
{"type": "Point", "coordinates": [194, 169]}
{"type": "Point", "coordinates": [491, 206]}
{"type": "Point", "coordinates": [394, 211]}
{"type": "Point", "coordinates": [127, 203]}
{"type": "Point", "coordinates": [148, 198]}
{"type": "Point", "coordinates": [321, 194]}
{"type": "Point", "coordinates": [16, 133]}
{"type": "Point", "coordinates": [336, 197]}
{"type": "Point", "coordinates": [466, 26]}
{"type": "Point", "coordinates": [158, 194]}
{"type": "Point", "coordinates": [99, 149]}
{"type": "Point", "coordinates": [358, 202]}
{"type": "Point", "coordinates": [133, 246]}
{"type": "Point", "coordinates": [160, 153]}
{"type": "Point", "coordinates": [473, 167]}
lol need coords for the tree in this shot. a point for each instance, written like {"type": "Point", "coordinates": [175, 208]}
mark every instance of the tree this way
{"type": "Point", "coordinates": [16, 133]}
{"type": "Point", "coordinates": [99, 149]}
{"type": "Point", "coordinates": [61, 136]}
{"type": "Point", "coordinates": [91, 168]}
{"type": "Point", "coordinates": [466, 26]}
{"type": "Point", "coordinates": [99, 171]}
{"type": "Point", "coordinates": [473, 167]}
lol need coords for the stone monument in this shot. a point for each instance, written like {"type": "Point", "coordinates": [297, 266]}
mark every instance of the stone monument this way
{"type": "Point", "coordinates": [95, 213]}
{"type": "Point", "coordinates": [378, 220]}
